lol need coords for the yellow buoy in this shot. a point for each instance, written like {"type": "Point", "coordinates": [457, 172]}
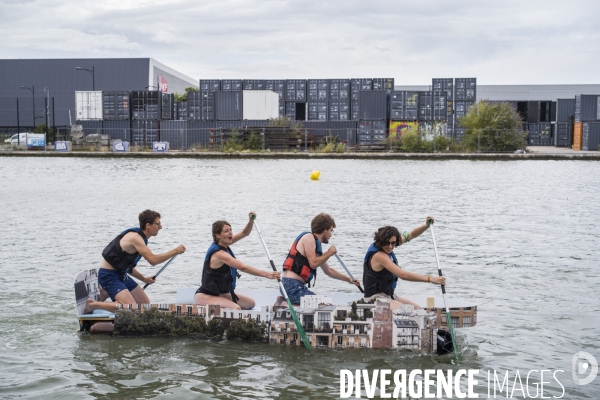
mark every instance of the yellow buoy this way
{"type": "Point", "coordinates": [315, 175]}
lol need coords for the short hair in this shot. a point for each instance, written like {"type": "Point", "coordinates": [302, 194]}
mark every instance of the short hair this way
{"type": "Point", "coordinates": [384, 234]}
{"type": "Point", "coordinates": [217, 227]}
{"type": "Point", "coordinates": [321, 223]}
{"type": "Point", "coordinates": [147, 217]}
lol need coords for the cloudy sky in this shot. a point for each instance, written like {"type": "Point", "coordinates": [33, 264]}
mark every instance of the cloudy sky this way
{"type": "Point", "coordinates": [503, 42]}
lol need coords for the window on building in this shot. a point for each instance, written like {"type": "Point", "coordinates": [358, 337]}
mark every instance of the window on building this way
{"type": "Point", "coordinates": [178, 309]}
{"type": "Point", "coordinates": [342, 314]}
{"type": "Point", "coordinates": [309, 321]}
{"type": "Point", "coordinates": [287, 326]}
{"type": "Point", "coordinates": [444, 321]}
{"type": "Point", "coordinates": [378, 337]}
{"type": "Point", "coordinates": [189, 310]}
{"type": "Point", "coordinates": [324, 320]}
{"type": "Point", "coordinates": [454, 322]}
{"type": "Point", "coordinates": [466, 322]}
{"type": "Point", "coordinates": [340, 340]}
{"type": "Point", "coordinates": [231, 315]}
{"type": "Point", "coordinates": [258, 318]}
{"type": "Point", "coordinates": [284, 337]}
{"type": "Point", "coordinates": [240, 316]}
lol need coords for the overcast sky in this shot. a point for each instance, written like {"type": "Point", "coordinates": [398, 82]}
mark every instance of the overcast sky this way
{"type": "Point", "coordinates": [503, 42]}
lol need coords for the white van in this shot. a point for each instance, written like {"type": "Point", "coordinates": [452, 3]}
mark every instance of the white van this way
{"type": "Point", "coordinates": [20, 138]}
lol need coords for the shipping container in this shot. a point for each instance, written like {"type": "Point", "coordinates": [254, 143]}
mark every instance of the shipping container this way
{"type": "Point", "coordinates": [366, 84]}
{"type": "Point", "coordinates": [398, 128]}
{"type": "Point", "coordinates": [425, 106]}
{"type": "Point", "coordinates": [117, 129]}
{"type": "Point", "coordinates": [254, 84]}
{"type": "Point", "coordinates": [562, 134]}
{"type": "Point", "coordinates": [116, 105]}
{"type": "Point", "coordinates": [277, 86]}
{"type": "Point", "coordinates": [586, 107]}
{"type": "Point", "coordinates": [371, 132]}
{"type": "Point", "coordinates": [443, 85]}
{"type": "Point", "coordinates": [339, 89]}
{"type": "Point", "coordinates": [197, 133]}
{"type": "Point", "coordinates": [316, 111]}
{"type": "Point", "coordinates": [167, 101]}
{"type": "Point", "coordinates": [181, 113]}
{"type": "Point", "coordinates": [565, 110]}
{"type": "Point", "coordinates": [176, 133]}
{"type": "Point", "coordinates": [540, 134]}
{"type": "Point", "coordinates": [465, 89]}
{"type": "Point", "coordinates": [88, 105]}
{"type": "Point", "coordinates": [339, 111]}
{"type": "Point", "coordinates": [354, 85]}
{"type": "Point", "coordinates": [281, 108]}
{"type": "Point", "coordinates": [590, 135]}
{"type": "Point", "coordinates": [404, 105]}
{"type": "Point", "coordinates": [318, 89]}
{"type": "Point", "coordinates": [144, 132]}
{"type": "Point", "coordinates": [260, 104]}
{"type": "Point", "coordinates": [383, 84]}
{"type": "Point", "coordinates": [145, 104]}
{"type": "Point", "coordinates": [344, 130]}
{"type": "Point", "coordinates": [316, 128]}
{"type": "Point", "coordinates": [577, 133]}
{"type": "Point", "coordinates": [440, 107]}
{"type": "Point", "coordinates": [90, 126]}
{"type": "Point", "coordinates": [372, 105]}
{"type": "Point", "coordinates": [295, 111]}
{"type": "Point", "coordinates": [295, 90]}
{"type": "Point", "coordinates": [210, 85]}
{"type": "Point", "coordinates": [461, 108]}
{"type": "Point", "coordinates": [354, 110]}
{"type": "Point", "coordinates": [228, 106]}
{"type": "Point", "coordinates": [230, 85]}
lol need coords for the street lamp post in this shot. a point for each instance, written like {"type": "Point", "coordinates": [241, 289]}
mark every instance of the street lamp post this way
{"type": "Point", "coordinates": [91, 71]}
{"type": "Point", "coordinates": [32, 90]}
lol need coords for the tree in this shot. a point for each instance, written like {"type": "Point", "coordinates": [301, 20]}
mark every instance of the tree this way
{"type": "Point", "coordinates": [183, 97]}
{"type": "Point", "coordinates": [492, 127]}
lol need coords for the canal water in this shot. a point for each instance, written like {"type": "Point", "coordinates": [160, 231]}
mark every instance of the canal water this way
{"type": "Point", "coordinates": [518, 238]}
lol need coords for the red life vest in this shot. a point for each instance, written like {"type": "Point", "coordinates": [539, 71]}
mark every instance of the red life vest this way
{"type": "Point", "coordinates": [299, 264]}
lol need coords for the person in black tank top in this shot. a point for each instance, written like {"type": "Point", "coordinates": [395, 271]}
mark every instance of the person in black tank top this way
{"type": "Point", "coordinates": [217, 286]}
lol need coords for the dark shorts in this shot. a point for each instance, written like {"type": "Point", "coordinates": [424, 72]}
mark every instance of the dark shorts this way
{"type": "Point", "coordinates": [114, 281]}
{"type": "Point", "coordinates": [295, 289]}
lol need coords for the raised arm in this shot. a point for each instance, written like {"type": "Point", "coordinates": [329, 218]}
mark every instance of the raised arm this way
{"type": "Point", "coordinates": [418, 231]}
{"type": "Point", "coordinates": [247, 229]}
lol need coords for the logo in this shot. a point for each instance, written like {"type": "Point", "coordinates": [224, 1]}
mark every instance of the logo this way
{"type": "Point", "coordinates": [121, 147]}
{"type": "Point", "coordinates": [583, 362]}
{"type": "Point", "coordinates": [163, 86]}
{"type": "Point", "coordinates": [61, 146]}
{"type": "Point", "coordinates": [162, 147]}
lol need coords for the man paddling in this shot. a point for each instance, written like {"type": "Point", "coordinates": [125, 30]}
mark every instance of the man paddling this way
{"type": "Point", "coordinates": [120, 258]}
{"type": "Point", "coordinates": [305, 256]}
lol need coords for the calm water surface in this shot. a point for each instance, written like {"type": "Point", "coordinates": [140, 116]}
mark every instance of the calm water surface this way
{"type": "Point", "coordinates": [518, 238]}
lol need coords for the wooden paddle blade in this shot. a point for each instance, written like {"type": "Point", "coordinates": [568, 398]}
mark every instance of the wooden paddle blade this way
{"type": "Point", "coordinates": [299, 325]}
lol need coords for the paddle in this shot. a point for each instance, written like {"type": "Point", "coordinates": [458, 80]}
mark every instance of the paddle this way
{"type": "Point", "coordinates": [448, 319]}
{"type": "Point", "coordinates": [162, 269]}
{"type": "Point", "coordinates": [287, 299]}
{"type": "Point", "coordinates": [348, 272]}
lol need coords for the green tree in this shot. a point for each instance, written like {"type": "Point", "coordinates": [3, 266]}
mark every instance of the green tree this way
{"type": "Point", "coordinates": [492, 127]}
{"type": "Point", "coordinates": [183, 97]}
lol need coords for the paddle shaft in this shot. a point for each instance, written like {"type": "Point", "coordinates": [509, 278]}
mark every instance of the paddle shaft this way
{"type": "Point", "coordinates": [162, 269]}
{"type": "Point", "coordinates": [348, 272]}
{"type": "Point", "coordinates": [287, 299]}
{"type": "Point", "coordinates": [448, 318]}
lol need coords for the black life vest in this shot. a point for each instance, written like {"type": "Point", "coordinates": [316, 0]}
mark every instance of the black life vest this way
{"type": "Point", "coordinates": [218, 281]}
{"type": "Point", "coordinates": [378, 282]}
{"type": "Point", "coordinates": [299, 264]}
{"type": "Point", "coordinates": [117, 258]}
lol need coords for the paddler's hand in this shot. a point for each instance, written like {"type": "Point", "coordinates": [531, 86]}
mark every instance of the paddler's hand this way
{"type": "Point", "coordinates": [149, 280]}
{"type": "Point", "coordinates": [252, 215]}
{"type": "Point", "coordinates": [355, 282]}
{"type": "Point", "coordinates": [438, 280]}
{"type": "Point", "coordinates": [429, 220]}
{"type": "Point", "coordinates": [332, 250]}
{"type": "Point", "coordinates": [180, 249]}
{"type": "Point", "coordinates": [272, 275]}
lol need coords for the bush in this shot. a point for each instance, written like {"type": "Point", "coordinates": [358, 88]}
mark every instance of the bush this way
{"type": "Point", "coordinates": [234, 144]}
{"type": "Point", "coordinates": [247, 330]}
{"type": "Point", "coordinates": [254, 142]}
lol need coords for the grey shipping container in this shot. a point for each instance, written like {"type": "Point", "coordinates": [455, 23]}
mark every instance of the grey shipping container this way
{"type": "Point", "coordinates": [176, 133]}
{"type": "Point", "coordinates": [277, 86]}
{"type": "Point", "coordinates": [145, 132]}
{"type": "Point", "coordinates": [167, 102]}
{"type": "Point", "coordinates": [339, 89]}
{"type": "Point", "coordinates": [440, 107]}
{"type": "Point", "coordinates": [586, 107]}
{"type": "Point", "coordinates": [295, 90]}
{"type": "Point", "coordinates": [425, 106]}
{"type": "Point", "coordinates": [540, 134]}
{"type": "Point", "coordinates": [181, 112]}
{"type": "Point", "coordinates": [366, 84]}
{"type": "Point", "coordinates": [228, 106]}
{"type": "Point", "coordinates": [198, 132]}
{"type": "Point", "coordinates": [316, 111]}
{"type": "Point", "coordinates": [465, 89]}
{"type": "Point", "coordinates": [371, 132]}
{"type": "Point", "coordinates": [372, 105]}
{"type": "Point", "coordinates": [317, 128]}
{"type": "Point", "coordinates": [343, 130]}
{"type": "Point", "coordinates": [565, 110]}
{"type": "Point", "coordinates": [210, 85]}
{"type": "Point", "coordinates": [461, 108]}
{"type": "Point", "coordinates": [254, 84]}
{"type": "Point", "coordinates": [339, 111]}
{"type": "Point", "coordinates": [442, 84]}
{"type": "Point", "coordinates": [117, 129]}
{"type": "Point", "coordinates": [354, 85]}
{"type": "Point", "coordinates": [90, 126]}
{"type": "Point", "coordinates": [562, 134]}
{"type": "Point", "coordinates": [116, 105]}
{"type": "Point", "coordinates": [590, 136]}
{"type": "Point", "coordinates": [231, 85]}
{"type": "Point", "coordinates": [383, 84]}
{"type": "Point", "coordinates": [145, 104]}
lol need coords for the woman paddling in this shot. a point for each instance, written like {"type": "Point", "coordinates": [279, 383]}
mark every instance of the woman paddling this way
{"type": "Point", "coordinates": [381, 270]}
{"type": "Point", "coordinates": [219, 273]}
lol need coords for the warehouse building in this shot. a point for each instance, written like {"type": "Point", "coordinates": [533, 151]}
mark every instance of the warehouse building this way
{"type": "Point", "coordinates": [55, 81]}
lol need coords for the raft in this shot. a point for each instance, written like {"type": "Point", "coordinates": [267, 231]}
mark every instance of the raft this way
{"type": "Point", "coordinates": [333, 320]}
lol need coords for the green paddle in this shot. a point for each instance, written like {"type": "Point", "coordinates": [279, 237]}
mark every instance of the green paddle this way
{"type": "Point", "coordinates": [448, 319]}
{"type": "Point", "coordinates": [291, 308]}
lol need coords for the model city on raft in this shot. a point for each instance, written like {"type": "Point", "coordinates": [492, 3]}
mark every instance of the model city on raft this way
{"type": "Point", "coordinates": [110, 301]}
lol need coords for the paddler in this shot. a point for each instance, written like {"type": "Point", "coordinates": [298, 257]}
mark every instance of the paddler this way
{"type": "Point", "coordinates": [305, 256]}
{"type": "Point", "coordinates": [220, 271]}
{"type": "Point", "coordinates": [120, 258]}
{"type": "Point", "coordinates": [380, 268]}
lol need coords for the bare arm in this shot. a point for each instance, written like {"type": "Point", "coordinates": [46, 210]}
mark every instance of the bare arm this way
{"type": "Point", "coordinates": [332, 273]}
{"type": "Point", "coordinates": [222, 257]}
{"type": "Point", "coordinates": [418, 231]}
{"type": "Point", "coordinates": [247, 229]}
{"type": "Point", "coordinates": [136, 274]}
{"type": "Point", "coordinates": [381, 259]}
{"type": "Point", "coordinates": [138, 243]}
{"type": "Point", "coordinates": [306, 245]}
